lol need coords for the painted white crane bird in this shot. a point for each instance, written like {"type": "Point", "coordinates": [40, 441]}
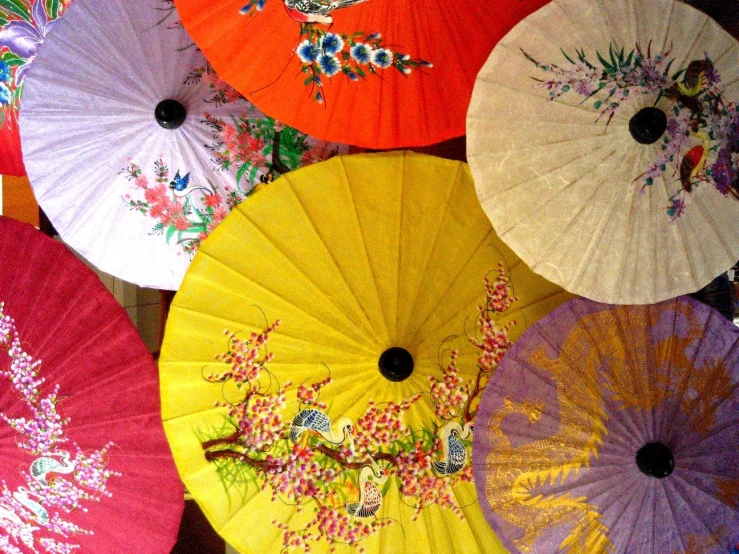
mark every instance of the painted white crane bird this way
{"type": "Point", "coordinates": [40, 467]}
{"type": "Point", "coordinates": [38, 511]}
{"type": "Point", "coordinates": [370, 496]}
{"type": "Point", "coordinates": [455, 453]}
{"type": "Point", "coordinates": [315, 421]}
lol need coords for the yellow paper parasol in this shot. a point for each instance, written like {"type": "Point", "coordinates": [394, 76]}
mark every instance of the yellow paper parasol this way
{"type": "Point", "coordinates": [364, 308]}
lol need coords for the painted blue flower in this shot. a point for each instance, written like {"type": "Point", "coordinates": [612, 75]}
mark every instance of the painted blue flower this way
{"type": "Point", "coordinates": [4, 72]}
{"type": "Point", "coordinates": [258, 4]}
{"type": "Point", "coordinates": [332, 44]}
{"type": "Point", "coordinates": [308, 52]}
{"type": "Point", "coordinates": [382, 58]}
{"type": "Point", "coordinates": [4, 95]}
{"type": "Point", "coordinates": [361, 53]}
{"type": "Point", "coordinates": [329, 65]}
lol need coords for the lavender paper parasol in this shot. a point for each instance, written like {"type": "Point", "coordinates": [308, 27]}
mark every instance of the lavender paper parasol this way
{"type": "Point", "coordinates": [135, 148]}
{"type": "Point", "coordinates": [614, 429]}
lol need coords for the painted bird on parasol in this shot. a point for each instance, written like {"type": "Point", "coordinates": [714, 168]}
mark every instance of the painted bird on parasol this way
{"type": "Point", "coordinates": [316, 11]}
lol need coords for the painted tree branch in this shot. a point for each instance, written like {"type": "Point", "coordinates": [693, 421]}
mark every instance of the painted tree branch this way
{"type": "Point", "coordinates": [277, 163]}
{"type": "Point", "coordinates": [469, 415]}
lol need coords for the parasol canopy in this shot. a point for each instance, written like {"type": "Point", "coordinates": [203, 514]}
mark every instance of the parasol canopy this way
{"type": "Point", "coordinates": [85, 466]}
{"type": "Point", "coordinates": [603, 139]}
{"type": "Point", "coordinates": [361, 323]}
{"type": "Point", "coordinates": [614, 429]}
{"type": "Point", "coordinates": [374, 73]}
{"type": "Point", "coordinates": [135, 148]}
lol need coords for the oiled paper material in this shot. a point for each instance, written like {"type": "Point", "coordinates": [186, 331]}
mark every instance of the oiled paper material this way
{"type": "Point", "coordinates": [134, 198]}
{"type": "Point", "coordinates": [353, 256]}
{"type": "Point", "coordinates": [578, 397]}
{"type": "Point", "coordinates": [562, 179]}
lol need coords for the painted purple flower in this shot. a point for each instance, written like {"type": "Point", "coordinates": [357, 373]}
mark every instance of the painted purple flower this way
{"type": "Point", "coordinates": [24, 38]}
{"type": "Point", "coordinates": [710, 72]}
{"type": "Point", "coordinates": [584, 88]}
{"type": "Point", "coordinates": [329, 65]}
{"type": "Point", "coordinates": [678, 203]}
{"type": "Point", "coordinates": [673, 126]}
{"type": "Point", "coordinates": [724, 172]}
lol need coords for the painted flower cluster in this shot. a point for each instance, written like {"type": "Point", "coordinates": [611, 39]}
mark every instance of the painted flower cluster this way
{"type": "Point", "coordinates": [701, 141]}
{"type": "Point", "coordinates": [256, 148]}
{"type": "Point", "coordinates": [324, 55]}
{"type": "Point", "coordinates": [252, 148]}
{"type": "Point", "coordinates": [281, 438]}
{"type": "Point", "coordinates": [60, 477]}
{"type": "Point", "coordinates": [184, 217]}
{"type": "Point", "coordinates": [23, 26]}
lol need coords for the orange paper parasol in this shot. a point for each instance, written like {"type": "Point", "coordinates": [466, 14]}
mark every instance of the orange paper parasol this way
{"type": "Point", "coordinates": [374, 73]}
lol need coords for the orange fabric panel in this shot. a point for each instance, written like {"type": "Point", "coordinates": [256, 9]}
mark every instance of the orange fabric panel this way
{"type": "Point", "coordinates": [18, 200]}
{"type": "Point", "coordinates": [256, 53]}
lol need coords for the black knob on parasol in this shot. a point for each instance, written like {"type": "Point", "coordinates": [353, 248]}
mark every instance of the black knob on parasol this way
{"type": "Point", "coordinates": [170, 114]}
{"type": "Point", "coordinates": [655, 460]}
{"type": "Point", "coordinates": [396, 364]}
{"type": "Point", "coordinates": [648, 125]}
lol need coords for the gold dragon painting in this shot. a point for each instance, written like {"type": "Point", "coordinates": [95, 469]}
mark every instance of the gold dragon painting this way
{"type": "Point", "coordinates": [600, 360]}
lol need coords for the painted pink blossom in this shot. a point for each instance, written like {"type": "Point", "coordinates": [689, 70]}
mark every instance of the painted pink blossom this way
{"type": "Point", "coordinates": [181, 223]}
{"type": "Point", "coordinates": [262, 448]}
{"type": "Point", "coordinates": [212, 200]}
{"type": "Point", "coordinates": [41, 431]}
{"type": "Point", "coordinates": [155, 194]}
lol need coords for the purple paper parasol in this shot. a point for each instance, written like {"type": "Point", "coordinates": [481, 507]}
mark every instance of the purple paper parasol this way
{"type": "Point", "coordinates": [135, 149]}
{"type": "Point", "coordinates": [614, 429]}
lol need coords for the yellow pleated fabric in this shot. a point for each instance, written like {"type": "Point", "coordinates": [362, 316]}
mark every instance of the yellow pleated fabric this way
{"type": "Point", "coordinates": [353, 256]}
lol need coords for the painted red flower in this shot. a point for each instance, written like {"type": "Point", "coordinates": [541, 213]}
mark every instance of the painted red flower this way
{"type": "Point", "coordinates": [181, 223]}
{"type": "Point", "coordinates": [212, 200]}
{"type": "Point", "coordinates": [157, 210]}
{"type": "Point", "coordinates": [155, 194]}
{"type": "Point", "coordinates": [220, 213]}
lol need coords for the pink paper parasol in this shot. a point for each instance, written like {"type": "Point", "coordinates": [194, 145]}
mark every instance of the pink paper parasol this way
{"type": "Point", "coordinates": [85, 465]}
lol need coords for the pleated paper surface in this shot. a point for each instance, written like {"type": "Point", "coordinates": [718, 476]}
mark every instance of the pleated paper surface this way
{"type": "Point", "coordinates": [562, 179]}
{"type": "Point", "coordinates": [574, 401]}
{"type": "Point", "coordinates": [133, 197]}
{"type": "Point", "coordinates": [353, 256]}
{"type": "Point", "coordinates": [374, 73]}
{"type": "Point", "coordinates": [85, 467]}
